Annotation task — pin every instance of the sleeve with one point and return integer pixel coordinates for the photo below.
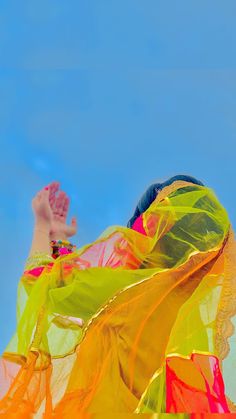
(35, 266)
(37, 260)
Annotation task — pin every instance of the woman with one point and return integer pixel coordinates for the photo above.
(136, 322)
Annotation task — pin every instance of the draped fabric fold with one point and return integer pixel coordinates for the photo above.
(132, 323)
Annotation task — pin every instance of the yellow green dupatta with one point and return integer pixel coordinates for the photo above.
(142, 300)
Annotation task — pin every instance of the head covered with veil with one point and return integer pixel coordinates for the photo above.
(153, 190)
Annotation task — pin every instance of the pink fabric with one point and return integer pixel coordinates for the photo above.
(36, 271)
(138, 225)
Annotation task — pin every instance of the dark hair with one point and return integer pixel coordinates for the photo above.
(153, 190)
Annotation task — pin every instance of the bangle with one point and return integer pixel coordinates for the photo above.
(62, 243)
(61, 247)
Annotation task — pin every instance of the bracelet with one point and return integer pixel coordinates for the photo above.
(61, 247)
(62, 243)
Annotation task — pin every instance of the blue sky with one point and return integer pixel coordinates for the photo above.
(106, 97)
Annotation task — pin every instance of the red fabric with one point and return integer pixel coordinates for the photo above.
(195, 385)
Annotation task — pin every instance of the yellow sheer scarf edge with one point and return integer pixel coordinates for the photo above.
(178, 184)
(144, 394)
(227, 304)
(36, 353)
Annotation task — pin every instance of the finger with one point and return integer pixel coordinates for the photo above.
(66, 206)
(62, 205)
(55, 184)
(59, 203)
(63, 201)
(45, 193)
(53, 189)
(72, 228)
(74, 222)
(40, 194)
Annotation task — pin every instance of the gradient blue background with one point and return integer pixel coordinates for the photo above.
(106, 97)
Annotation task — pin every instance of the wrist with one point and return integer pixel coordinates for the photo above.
(58, 236)
(42, 225)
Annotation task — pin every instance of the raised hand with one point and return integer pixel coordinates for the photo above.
(59, 203)
(42, 209)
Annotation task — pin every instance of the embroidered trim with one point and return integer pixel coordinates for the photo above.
(38, 259)
(172, 188)
(227, 303)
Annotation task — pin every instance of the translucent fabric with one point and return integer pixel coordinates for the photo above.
(131, 323)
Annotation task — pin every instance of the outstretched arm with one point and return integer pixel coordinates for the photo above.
(40, 241)
(50, 212)
(43, 219)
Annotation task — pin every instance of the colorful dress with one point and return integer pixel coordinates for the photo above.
(140, 321)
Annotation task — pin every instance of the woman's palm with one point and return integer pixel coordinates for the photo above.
(59, 203)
